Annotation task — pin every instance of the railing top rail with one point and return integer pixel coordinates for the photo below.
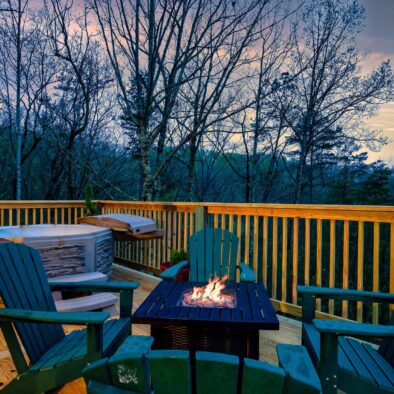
(368, 213)
(384, 208)
(7, 204)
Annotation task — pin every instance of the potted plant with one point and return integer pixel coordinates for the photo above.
(91, 208)
(176, 257)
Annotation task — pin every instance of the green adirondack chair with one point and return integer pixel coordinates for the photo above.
(212, 251)
(346, 363)
(54, 358)
(172, 372)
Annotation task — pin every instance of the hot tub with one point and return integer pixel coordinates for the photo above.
(67, 249)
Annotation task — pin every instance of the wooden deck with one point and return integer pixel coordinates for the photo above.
(290, 332)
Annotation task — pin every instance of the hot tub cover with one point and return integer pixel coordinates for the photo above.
(123, 223)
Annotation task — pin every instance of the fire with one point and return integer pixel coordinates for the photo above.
(210, 295)
(212, 291)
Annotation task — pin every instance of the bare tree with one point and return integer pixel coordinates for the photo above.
(27, 72)
(151, 45)
(79, 100)
(330, 96)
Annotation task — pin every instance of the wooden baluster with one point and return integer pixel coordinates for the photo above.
(231, 223)
(345, 271)
(318, 259)
(215, 220)
(10, 217)
(265, 250)
(255, 242)
(191, 227)
(239, 237)
(274, 256)
(185, 230)
(295, 261)
(332, 264)
(307, 251)
(247, 239)
(179, 246)
(375, 270)
(159, 242)
(223, 222)
(360, 268)
(284, 260)
(164, 239)
(391, 262)
(68, 215)
(154, 243)
(34, 216)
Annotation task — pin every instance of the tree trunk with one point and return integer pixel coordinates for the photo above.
(70, 167)
(300, 176)
(146, 170)
(191, 166)
(18, 193)
(269, 178)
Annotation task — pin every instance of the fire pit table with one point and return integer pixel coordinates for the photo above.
(232, 329)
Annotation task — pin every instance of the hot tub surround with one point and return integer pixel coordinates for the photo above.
(67, 249)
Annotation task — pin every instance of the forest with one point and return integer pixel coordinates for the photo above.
(190, 100)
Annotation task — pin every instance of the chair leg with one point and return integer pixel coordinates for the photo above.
(328, 368)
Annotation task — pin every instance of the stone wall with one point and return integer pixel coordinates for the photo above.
(63, 260)
(105, 256)
(77, 256)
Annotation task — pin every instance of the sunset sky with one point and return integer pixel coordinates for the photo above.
(378, 40)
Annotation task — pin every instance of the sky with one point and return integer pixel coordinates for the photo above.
(378, 40)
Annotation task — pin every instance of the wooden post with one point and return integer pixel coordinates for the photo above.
(201, 216)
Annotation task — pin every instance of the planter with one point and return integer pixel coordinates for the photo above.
(183, 273)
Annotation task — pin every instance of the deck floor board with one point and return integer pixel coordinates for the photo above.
(290, 332)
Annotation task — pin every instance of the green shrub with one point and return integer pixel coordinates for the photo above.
(178, 255)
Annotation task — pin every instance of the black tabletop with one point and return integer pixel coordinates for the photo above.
(253, 308)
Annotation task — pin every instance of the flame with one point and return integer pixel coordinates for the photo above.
(211, 295)
(212, 291)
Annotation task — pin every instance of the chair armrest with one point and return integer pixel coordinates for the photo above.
(124, 288)
(349, 328)
(247, 274)
(172, 272)
(93, 320)
(115, 287)
(53, 317)
(345, 294)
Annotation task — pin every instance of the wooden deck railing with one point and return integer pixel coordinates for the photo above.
(336, 246)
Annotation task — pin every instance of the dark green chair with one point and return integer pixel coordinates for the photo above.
(172, 372)
(212, 251)
(54, 358)
(343, 362)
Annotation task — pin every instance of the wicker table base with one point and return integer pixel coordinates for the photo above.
(244, 343)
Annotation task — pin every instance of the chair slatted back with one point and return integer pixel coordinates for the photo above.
(24, 285)
(212, 251)
(174, 372)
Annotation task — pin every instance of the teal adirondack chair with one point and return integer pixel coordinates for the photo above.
(212, 251)
(343, 362)
(171, 372)
(54, 358)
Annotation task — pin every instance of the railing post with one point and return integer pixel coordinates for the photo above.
(201, 217)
